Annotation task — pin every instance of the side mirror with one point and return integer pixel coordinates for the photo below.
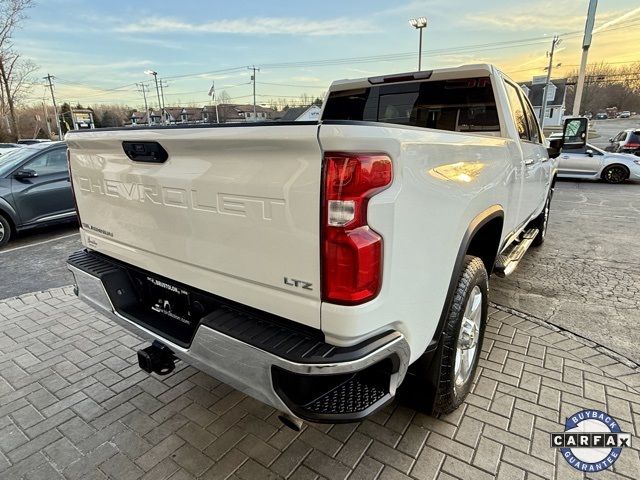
(25, 173)
(555, 147)
(589, 152)
(574, 134)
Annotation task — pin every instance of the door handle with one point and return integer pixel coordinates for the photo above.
(529, 161)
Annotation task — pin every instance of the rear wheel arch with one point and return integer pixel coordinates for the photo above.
(482, 228)
(9, 217)
(8, 227)
(485, 241)
(480, 231)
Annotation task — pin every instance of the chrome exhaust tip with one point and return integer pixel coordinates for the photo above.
(290, 421)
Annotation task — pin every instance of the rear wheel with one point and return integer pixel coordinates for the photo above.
(5, 231)
(461, 340)
(615, 174)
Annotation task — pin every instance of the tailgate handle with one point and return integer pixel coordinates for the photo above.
(150, 152)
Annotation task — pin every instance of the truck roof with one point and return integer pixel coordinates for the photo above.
(478, 69)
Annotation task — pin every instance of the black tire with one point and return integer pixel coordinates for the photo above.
(615, 174)
(541, 222)
(450, 394)
(5, 231)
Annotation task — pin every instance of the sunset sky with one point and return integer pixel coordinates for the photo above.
(99, 50)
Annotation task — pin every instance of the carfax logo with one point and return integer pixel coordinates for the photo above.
(592, 441)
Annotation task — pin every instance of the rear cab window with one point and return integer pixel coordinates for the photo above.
(461, 105)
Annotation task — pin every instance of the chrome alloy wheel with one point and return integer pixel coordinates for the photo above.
(2, 232)
(467, 345)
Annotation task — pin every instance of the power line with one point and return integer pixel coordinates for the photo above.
(293, 85)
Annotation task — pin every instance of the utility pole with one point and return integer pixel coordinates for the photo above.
(143, 89)
(556, 41)
(55, 108)
(155, 77)
(420, 24)
(586, 43)
(253, 79)
(162, 87)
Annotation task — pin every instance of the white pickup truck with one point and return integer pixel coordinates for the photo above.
(317, 265)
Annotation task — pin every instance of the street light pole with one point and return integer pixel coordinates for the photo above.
(420, 24)
(555, 42)
(586, 43)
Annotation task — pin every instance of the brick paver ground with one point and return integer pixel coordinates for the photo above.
(74, 405)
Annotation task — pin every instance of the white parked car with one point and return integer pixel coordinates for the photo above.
(315, 265)
(594, 163)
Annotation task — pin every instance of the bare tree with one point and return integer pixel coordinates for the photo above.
(224, 97)
(609, 85)
(12, 13)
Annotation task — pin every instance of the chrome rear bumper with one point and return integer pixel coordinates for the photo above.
(246, 367)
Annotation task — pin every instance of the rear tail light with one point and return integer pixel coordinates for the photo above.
(73, 191)
(351, 250)
(631, 145)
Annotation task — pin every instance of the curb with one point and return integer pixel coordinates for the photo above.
(589, 343)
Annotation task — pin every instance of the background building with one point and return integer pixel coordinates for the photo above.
(556, 96)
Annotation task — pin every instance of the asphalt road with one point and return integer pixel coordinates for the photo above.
(585, 278)
(36, 260)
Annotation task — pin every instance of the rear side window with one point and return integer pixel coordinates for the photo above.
(634, 137)
(517, 111)
(54, 161)
(532, 121)
(466, 105)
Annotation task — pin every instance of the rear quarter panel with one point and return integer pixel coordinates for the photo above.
(442, 181)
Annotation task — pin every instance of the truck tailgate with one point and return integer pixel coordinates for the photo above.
(233, 210)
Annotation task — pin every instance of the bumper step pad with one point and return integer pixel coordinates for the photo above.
(353, 396)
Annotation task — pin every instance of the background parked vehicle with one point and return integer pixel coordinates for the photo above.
(601, 116)
(8, 147)
(32, 141)
(34, 188)
(625, 114)
(594, 163)
(627, 141)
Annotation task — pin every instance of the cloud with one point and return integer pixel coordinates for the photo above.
(261, 25)
(539, 17)
(305, 78)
